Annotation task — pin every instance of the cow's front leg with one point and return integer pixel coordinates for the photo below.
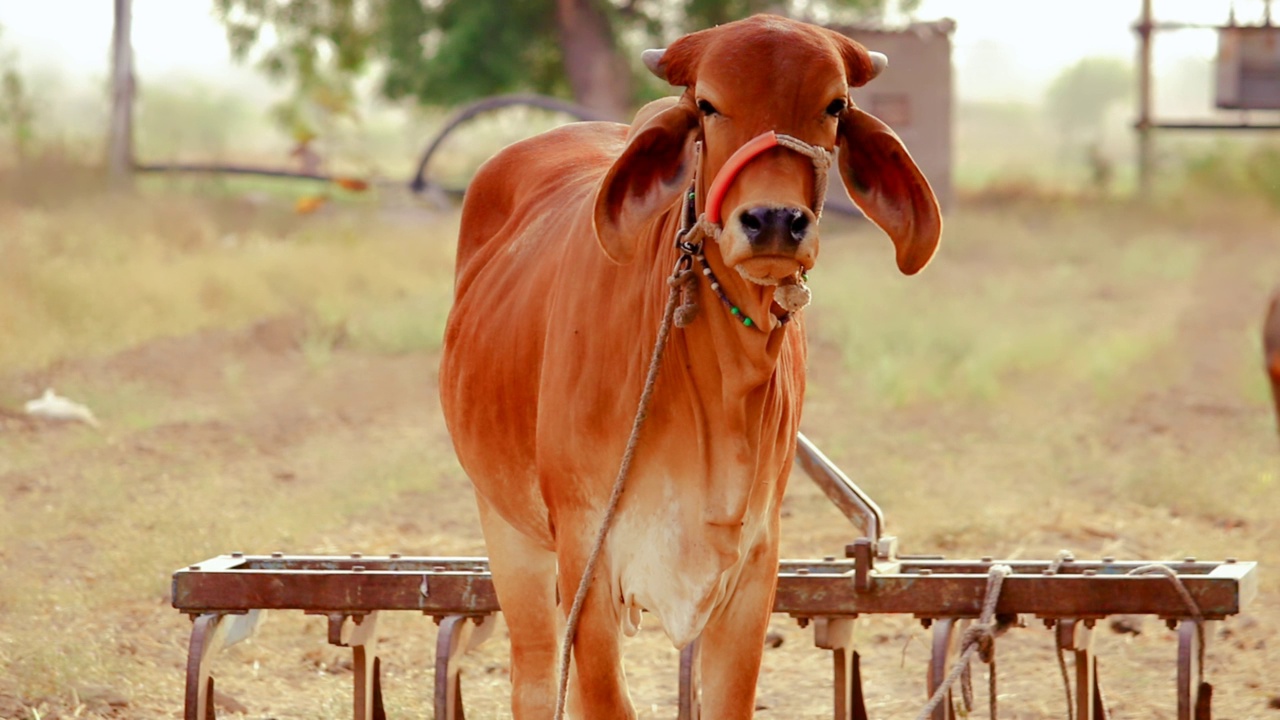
(733, 641)
(598, 686)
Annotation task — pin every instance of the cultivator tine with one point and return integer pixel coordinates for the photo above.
(944, 635)
(367, 697)
(458, 634)
(1076, 636)
(836, 634)
(1194, 694)
(690, 707)
(210, 633)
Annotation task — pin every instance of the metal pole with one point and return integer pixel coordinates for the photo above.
(1145, 150)
(120, 138)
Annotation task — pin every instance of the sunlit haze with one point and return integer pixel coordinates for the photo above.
(1030, 39)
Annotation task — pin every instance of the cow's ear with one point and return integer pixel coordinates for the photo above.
(885, 183)
(653, 170)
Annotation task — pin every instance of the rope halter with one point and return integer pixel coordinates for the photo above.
(790, 296)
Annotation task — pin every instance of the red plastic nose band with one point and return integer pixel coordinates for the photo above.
(738, 160)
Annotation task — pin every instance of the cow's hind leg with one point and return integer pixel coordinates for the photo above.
(598, 687)
(524, 575)
(732, 644)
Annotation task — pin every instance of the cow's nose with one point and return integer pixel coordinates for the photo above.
(774, 225)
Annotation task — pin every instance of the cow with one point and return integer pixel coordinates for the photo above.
(565, 250)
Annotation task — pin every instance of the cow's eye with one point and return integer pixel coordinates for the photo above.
(837, 106)
(707, 108)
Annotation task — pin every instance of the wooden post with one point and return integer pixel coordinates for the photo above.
(120, 139)
(1145, 149)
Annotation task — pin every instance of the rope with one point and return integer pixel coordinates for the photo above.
(677, 281)
(980, 638)
(1189, 601)
(821, 158)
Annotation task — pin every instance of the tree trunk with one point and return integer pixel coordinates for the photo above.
(120, 141)
(598, 75)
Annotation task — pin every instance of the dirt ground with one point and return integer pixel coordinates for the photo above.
(250, 413)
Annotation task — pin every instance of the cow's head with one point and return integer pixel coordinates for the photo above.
(743, 79)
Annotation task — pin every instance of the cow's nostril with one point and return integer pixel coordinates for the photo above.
(799, 225)
(750, 223)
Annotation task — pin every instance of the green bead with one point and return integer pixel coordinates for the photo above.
(747, 322)
(735, 311)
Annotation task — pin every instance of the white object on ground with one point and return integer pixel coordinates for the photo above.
(52, 406)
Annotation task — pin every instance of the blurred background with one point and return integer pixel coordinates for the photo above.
(210, 250)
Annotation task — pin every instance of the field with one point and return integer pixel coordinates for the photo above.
(1067, 374)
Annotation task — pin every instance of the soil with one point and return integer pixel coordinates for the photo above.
(288, 671)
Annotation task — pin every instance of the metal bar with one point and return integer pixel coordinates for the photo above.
(848, 498)
(1198, 125)
(1193, 694)
(836, 634)
(210, 633)
(454, 640)
(944, 636)
(198, 704)
(367, 694)
(1076, 636)
(818, 588)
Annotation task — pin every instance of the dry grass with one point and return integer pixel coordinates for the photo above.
(1063, 376)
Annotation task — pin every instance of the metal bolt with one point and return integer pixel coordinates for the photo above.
(437, 568)
(1049, 623)
(1068, 558)
(193, 567)
(1109, 559)
(1189, 559)
(394, 556)
(802, 571)
(237, 554)
(926, 623)
(1090, 622)
(1231, 561)
(357, 568)
(1090, 571)
(828, 558)
(803, 622)
(277, 554)
(925, 571)
(480, 569)
(1171, 623)
(356, 556)
(987, 558)
(1048, 571)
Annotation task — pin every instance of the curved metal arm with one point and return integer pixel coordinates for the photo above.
(489, 104)
(850, 499)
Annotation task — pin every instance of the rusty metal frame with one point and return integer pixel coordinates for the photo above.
(227, 596)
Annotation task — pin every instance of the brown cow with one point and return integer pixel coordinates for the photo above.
(1271, 348)
(565, 249)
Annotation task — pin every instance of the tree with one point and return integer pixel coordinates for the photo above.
(443, 52)
(1079, 99)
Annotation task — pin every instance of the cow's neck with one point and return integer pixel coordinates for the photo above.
(746, 357)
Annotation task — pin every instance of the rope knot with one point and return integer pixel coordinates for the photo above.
(687, 311)
(983, 635)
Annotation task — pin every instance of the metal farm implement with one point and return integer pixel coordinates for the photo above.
(226, 595)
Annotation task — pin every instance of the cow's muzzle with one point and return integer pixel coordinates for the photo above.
(769, 242)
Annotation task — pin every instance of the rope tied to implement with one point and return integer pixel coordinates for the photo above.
(1192, 608)
(979, 639)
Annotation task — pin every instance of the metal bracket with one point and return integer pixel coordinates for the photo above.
(210, 633)
(458, 634)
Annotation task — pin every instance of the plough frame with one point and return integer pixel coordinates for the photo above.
(227, 595)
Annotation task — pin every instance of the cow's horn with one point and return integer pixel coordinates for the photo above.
(878, 63)
(653, 60)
